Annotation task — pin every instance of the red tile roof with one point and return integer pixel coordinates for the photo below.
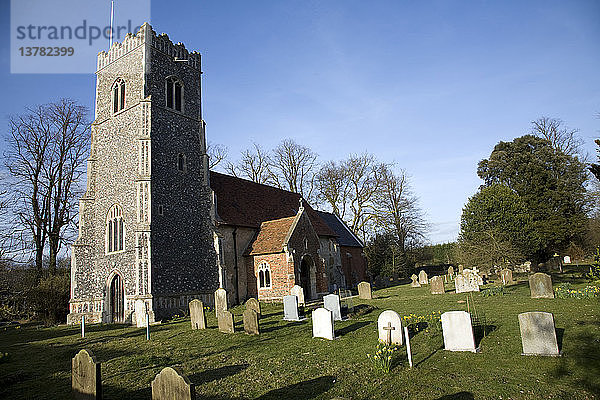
(271, 236)
(244, 203)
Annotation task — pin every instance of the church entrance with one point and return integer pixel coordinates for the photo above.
(116, 296)
(307, 277)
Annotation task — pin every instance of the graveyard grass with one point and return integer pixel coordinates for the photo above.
(285, 362)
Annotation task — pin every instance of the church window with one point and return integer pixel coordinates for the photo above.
(114, 230)
(181, 162)
(161, 210)
(264, 276)
(118, 95)
(174, 93)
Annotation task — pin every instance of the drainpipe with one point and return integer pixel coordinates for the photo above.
(235, 265)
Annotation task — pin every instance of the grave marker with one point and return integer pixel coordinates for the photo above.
(86, 381)
(197, 316)
(322, 320)
(506, 276)
(225, 321)
(332, 303)
(538, 334)
(540, 285)
(170, 384)
(298, 291)
(437, 285)
(253, 304)
(251, 324)
(423, 278)
(415, 281)
(389, 326)
(220, 301)
(364, 291)
(290, 308)
(458, 331)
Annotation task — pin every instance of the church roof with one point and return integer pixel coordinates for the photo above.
(345, 235)
(244, 203)
(271, 236)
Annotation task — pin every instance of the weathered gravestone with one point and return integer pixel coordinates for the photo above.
(225, 321)
(460, 269)
(322, 320)
(253, 304)
(466, 282)
(451, 271)
(140, 313)
(332, 303)
(423, 278)
(290, 308)
(538, 334)
(86, 381)
(299, 293)
(251, 324)
(437, 285)
(197, 316)
(540, 285)
(415, 281)
(364, 291)
(458, 331)
(389, 327)
(506, 276)
(220, 301)
(170, 384)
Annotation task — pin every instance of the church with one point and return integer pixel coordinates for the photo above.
(157, 228)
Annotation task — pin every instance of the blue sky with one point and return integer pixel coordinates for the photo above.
(431, 85)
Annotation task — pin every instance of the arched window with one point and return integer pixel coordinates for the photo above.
(264, 276)
(181, 162)
(115, 235)
(174, 93)
(118, 95)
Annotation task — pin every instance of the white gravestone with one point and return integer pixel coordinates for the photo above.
(458, 331)
(322, 320)
(299, 293)
(332, 303)
(140, 313)
(567, 260)
(466, 282)
(220, 300)
(423, 278)
(389, 327)
(290, 308)
(538, 334)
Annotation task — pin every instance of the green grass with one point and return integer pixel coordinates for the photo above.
(285, 362)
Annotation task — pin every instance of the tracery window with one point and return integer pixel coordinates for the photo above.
(118, 95)
(264, 276)
(174, 93)
(115, 235)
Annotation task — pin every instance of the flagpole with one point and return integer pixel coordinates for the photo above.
(112, 15)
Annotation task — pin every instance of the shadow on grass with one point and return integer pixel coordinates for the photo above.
(429, 356)
(303, 390)
(585, 355)
(351, 328)
(271, 328)
(482, 330)
(360, 310)
(458, 396)
(210, 375)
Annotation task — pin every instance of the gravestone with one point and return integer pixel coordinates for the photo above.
(437, 285)
(225, 321)
(423, 278)
(220, 300)
(466, 282)
(364, 291)
(460, 269)
(290, 308)
(389, 327)
(332, 303)
(251, 326)
(140, 313)
(540, 285)
(567, 260)
(197, 316)
(538, 334)
(415, 281)
(458, 331)
(86, 381)
(506, 276)
(253, 304)
(299, 293)
(451, 271)
(170, 384)
(322, 320)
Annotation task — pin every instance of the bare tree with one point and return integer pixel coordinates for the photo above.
(253, 165)
(333, 187)
(561, 137)
(216, 154)
(47, 148)
(293, 167)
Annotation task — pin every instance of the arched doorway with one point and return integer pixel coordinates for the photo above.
(116, 302)
(307, 277)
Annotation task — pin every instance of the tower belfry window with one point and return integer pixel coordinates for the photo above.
(174, 93)
(118, 95)
(181, 162)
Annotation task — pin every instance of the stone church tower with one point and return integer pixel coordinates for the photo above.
(146, 236)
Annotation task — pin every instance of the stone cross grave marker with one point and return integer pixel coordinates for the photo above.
(171, 384)
(437, 285)
(86, 381)
(506, 276)
(140, 313)
(251, 323)
(298, 291)
(225, 321)
(364, 291)
(290, 308)
(540, 285)
(389, 327)
(415, 281)
(220, 301)
(423, 278)
(332, 303)
(458, 331)
(322, 320)
(253, 304)
(197, 316)
(538, 334)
